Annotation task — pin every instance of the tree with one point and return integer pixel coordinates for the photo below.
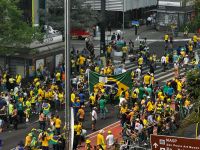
(81, 14)
(193, 86)
(15, 34)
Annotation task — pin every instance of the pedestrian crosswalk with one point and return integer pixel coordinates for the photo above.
(160, 76)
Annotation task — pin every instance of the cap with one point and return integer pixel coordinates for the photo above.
(94, 108)
(87, 141)
(148, 96)
(109, 132)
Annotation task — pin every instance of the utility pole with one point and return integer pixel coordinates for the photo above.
(67, 74)
(102, 27)
(123, 15)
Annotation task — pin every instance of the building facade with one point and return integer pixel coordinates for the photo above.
(174, 13)
(121, 5)
(133, 9)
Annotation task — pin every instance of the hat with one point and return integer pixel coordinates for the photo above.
(101, 131)
(148, 97)
(167, 105)
(109, 132)
(87, 141)
(94, 108)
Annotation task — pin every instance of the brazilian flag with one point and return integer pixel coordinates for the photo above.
(114, 83)
(53, 139)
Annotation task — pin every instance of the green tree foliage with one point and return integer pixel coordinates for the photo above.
(193, 85)
(193, 90)
(81, 14)
(15, 34)
(194, 25)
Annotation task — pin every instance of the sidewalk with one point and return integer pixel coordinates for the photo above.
(115, 128)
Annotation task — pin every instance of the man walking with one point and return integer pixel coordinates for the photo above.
(102, 105)
(94, 118)
(163, 62)
(110, 140)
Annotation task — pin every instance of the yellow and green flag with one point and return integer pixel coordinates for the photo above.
(110, 83)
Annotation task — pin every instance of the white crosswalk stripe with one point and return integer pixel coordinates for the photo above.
(159, 74)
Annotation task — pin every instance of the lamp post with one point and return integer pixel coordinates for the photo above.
(102, 40)
(67, 73)
(123, 15)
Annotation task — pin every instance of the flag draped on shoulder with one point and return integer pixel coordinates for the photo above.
(107, 83)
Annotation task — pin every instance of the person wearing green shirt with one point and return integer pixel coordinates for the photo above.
(20, 110)
(102, 105)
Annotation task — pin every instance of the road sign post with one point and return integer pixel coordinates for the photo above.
(159, 142)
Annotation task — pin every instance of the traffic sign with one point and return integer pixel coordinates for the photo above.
(160, 142)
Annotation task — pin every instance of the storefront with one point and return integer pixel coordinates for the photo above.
(173, 14)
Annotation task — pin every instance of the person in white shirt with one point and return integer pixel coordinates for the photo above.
(122, 100)
(185, 62)
(138, 72)
(110, 140)
(163, 61)
(94, 118)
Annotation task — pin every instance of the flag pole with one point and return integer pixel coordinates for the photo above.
(67, 73)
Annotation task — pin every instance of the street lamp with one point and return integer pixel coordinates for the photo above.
(123, 15)
(67, 74)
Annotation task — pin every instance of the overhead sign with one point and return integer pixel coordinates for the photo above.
(159, 142)
(168, 3)
(135, 23)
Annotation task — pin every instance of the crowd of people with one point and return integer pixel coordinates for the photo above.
(147, 108)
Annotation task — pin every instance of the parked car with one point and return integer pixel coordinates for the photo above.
(80, 34)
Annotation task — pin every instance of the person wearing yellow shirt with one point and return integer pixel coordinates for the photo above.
(150, 106)
(109, 51)
(81, 114)
(166, 38)
(147, 79)
(136, 107)
(61, 97)
(190, 47)
(97, 69)
(58, 123)
(58, 76)
(78, 130)
(81, 60)
(140, 61)
(28, 140)
(187, 106)
(145, 122)
(123, 109)
(18, 79)
(194, 38)
(131, 115)
(124, 50)
(100, 139)
(92, 101)
(127, 95)
(179, 85)
(45, 141)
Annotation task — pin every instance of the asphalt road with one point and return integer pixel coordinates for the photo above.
(11, 137)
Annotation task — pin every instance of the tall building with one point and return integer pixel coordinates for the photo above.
(133, 9)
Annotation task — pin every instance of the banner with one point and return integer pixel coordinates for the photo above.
(115, 82)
